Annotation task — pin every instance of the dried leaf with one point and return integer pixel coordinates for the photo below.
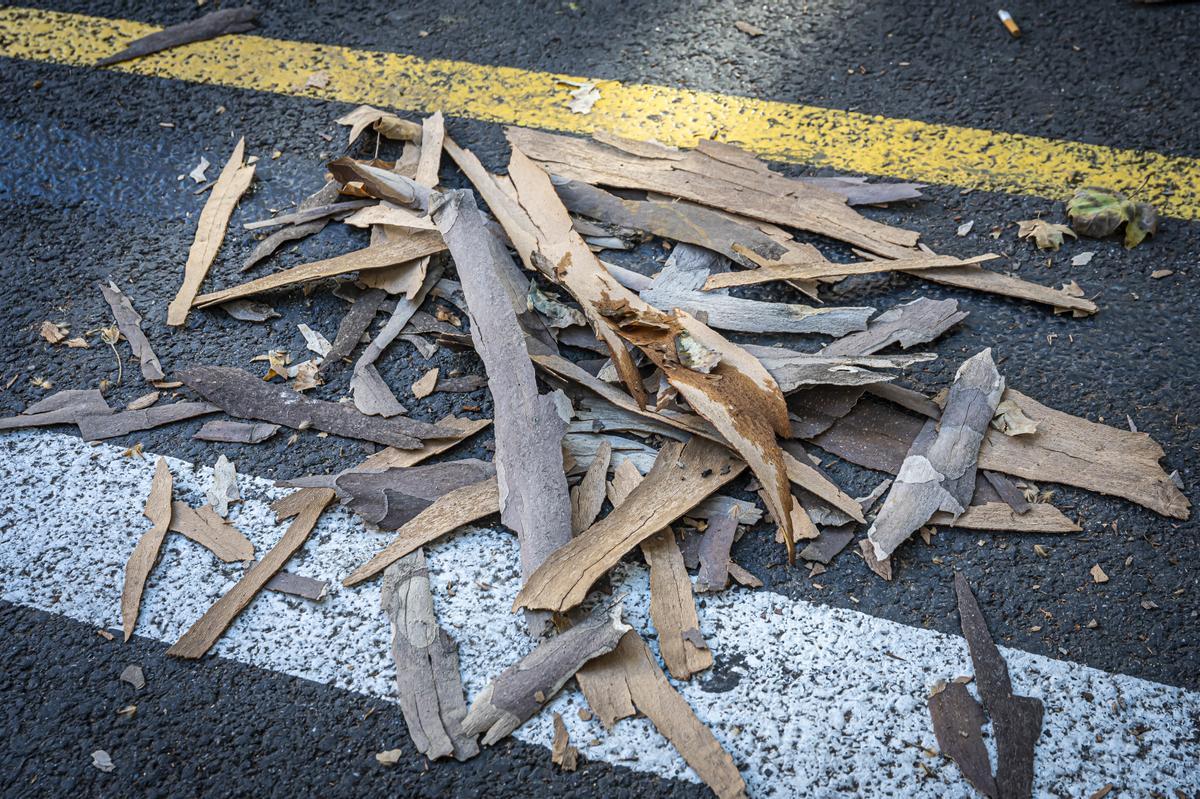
(583, 96)
(1012, 421)
(249, 310)
(130, 324)
(54, 333)
(1047, 235)
(224, 488)
(387, 124)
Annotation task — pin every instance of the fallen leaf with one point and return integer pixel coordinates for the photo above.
(583, 96)
(1098, 574)
(1083, 259)
(41, 382)
(390, 757)
(1047, 235)
(306, 376)
(965, 228)
(753, 31)
(78, 344)
(102, 761)
(1098, 212)
(53, 333)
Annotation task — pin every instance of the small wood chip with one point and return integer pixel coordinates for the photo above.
(423, 387)
(562, 753)
(1098, 575)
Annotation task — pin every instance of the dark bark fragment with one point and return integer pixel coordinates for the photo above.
(209, 26)
(958, 724)
(390, 498)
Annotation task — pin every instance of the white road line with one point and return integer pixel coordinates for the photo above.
(826, 702)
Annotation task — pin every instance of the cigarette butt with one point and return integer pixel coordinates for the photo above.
(1009, 23)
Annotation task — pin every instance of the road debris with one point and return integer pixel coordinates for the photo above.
(562, 754)
(145, 552)
(1047, 235)
(1009, 23)
(209, 26)
(1097, 213)
(133, 675)
(224, 489)
(102, 761)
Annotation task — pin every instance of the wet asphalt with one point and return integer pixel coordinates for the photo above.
(91, 191)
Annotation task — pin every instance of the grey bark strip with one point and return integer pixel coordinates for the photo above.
(939, 471)
(240, 393)
(391, 498)
(371, 394)
(916, 322)
(522, 689)
(857, 191)
(958, 724)
(236, 432)
(265, 248)
(534, 499)
(794, 370)
(61, 407)
(428, 679)
(351, 329)
(588, 497)
(298, 585)
(208, 628)
(753, 316)
(211, 25)
(1016, 720)
(249, 310)
(310, 214)
(95, 428)
(145, 552)
(129, 322)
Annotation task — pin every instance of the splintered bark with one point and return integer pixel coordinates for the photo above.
(351, 329)
(629, 678)
(524, 688)
(939, 470)
(240, 393)
(208, 628)
(129, 322)
(427, 673)
(916, 322)
(265, 248)
(682, 477)
(145, 552)
(209, 26)
(1016, 720)
(958, 724)
(793, 370)
(448, 512)
(705, 176)
(534, 499)
(210, 231)
(588, 497)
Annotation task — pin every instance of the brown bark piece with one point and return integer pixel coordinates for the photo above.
(418, 244)
(696, 175)
(916, 322)
(1040, 518)
(209, 26)
(130, 324)
(588, 497)
(808, 477)
(232, 183)
(208, 628)
(240, 393)
(351, 328)
(448, 512)
(673, 608)
(236, 432)
(562, 754)
(298, 585)
(939, 471)
(628, 678)
(714, 551)
(980, 279)
(521, 690)
(1016, 720)
(205, 526)
(95, 428)
(534, 498)
(392, 497)
(145, 552)
(801, 265)
(427, 672)
(424, 386)
(958, 724)
(881, 567)
(793, 370)
(681, 478)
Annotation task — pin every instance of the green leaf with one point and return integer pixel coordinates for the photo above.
(1099, 212)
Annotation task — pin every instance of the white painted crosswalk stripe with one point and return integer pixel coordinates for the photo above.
(826, 701)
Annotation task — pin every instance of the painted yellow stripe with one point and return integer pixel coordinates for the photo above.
(853, 142)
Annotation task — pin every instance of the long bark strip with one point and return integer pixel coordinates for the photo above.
(210, 531)
(629, 678)
(682, 477)
(427, 673)
(534, 498)
(208, 628)
(145, 552)
(1016, 720)
(211, 25)
(672, 606)
(939, 471)
(129, 322)
(421, 242)
(522, 689)
(210, 231)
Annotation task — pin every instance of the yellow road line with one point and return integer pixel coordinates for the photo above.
(853, 142)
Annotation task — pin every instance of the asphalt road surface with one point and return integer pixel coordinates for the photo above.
(297, 700)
